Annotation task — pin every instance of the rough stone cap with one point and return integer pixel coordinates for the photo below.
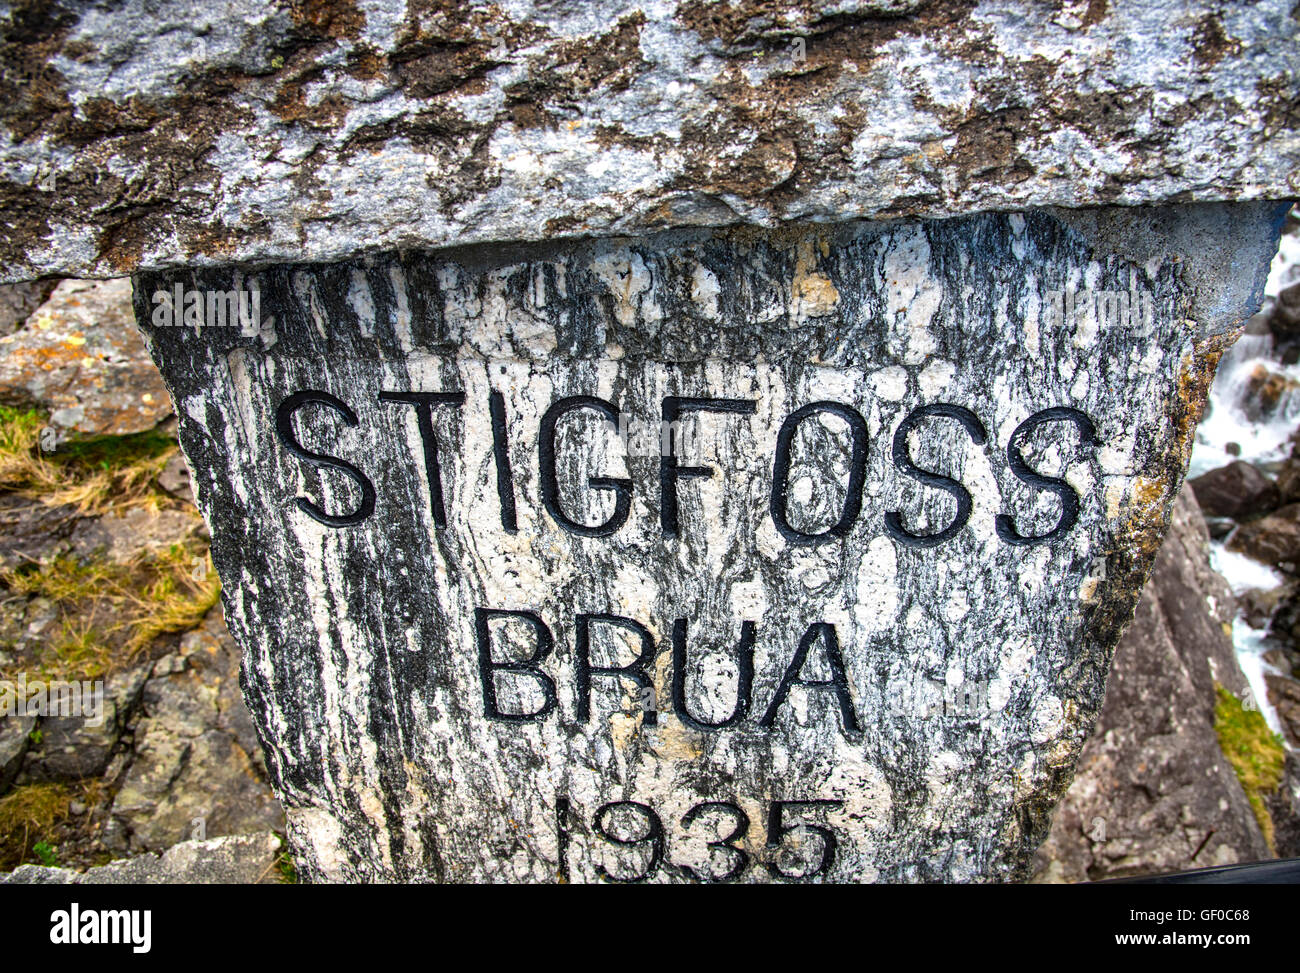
(140, 134)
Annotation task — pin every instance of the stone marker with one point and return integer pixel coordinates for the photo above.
(795, 550)
(711, 556)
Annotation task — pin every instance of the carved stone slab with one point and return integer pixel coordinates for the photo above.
(185, 132)
(706, 557)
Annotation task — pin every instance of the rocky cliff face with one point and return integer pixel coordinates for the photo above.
(1154, 791)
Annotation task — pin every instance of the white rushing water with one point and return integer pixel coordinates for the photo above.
(1259, 440)
(1262, 440)
(1227, 421)
(1243, 574)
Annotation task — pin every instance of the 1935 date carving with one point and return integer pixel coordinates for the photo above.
(639, 831)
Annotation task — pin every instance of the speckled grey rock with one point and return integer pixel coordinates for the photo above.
(18, 301)
(232, 860)
(867, 646)
(121, 536)
(81, 363)
(14, 740)
(177, 132)
(1154, 792)
(196, 764)
(73, 747)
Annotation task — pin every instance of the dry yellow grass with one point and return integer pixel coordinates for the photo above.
(110, 612)
(93, 476)
(107, 612)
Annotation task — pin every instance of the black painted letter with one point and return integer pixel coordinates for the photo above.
(669, 471)
(744, 680)
(424, 403)
(528, 667)
(838, 682)
(893, 519)
(621, 486)
(635, 670)
(1006, 526)
(501, 453)
(284, 430)
(781, 473)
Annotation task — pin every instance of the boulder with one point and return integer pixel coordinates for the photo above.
(1284, 317)
(1264, 608)
(1284, 695)
(1284, 807)
(196, 768)
(18, 301)
(1267, 393)
(121, 535)
(1285, 657)
(179, 132)
(246, 859)
(74, 746)
(1153, 791)
(1273, 540)
(1238, 490)
(1288, 480)
(175, 478)
(490, 620)
(15, 734)
(80, 359)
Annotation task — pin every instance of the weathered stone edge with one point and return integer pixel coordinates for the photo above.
(196, 134)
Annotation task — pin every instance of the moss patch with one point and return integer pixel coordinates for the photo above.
(1255, 752)
(287, 869)
(28, 816)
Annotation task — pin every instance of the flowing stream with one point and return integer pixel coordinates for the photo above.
(1235, 427)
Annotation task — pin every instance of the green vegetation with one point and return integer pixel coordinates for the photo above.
(28, 816)
(287, 869)
(46, 852)
(1255, 752)
(93, 475)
